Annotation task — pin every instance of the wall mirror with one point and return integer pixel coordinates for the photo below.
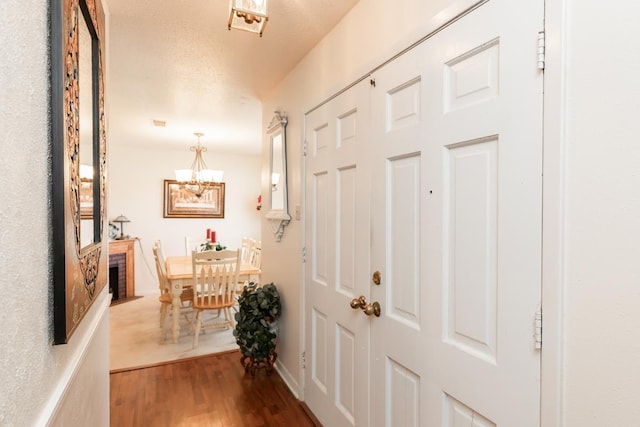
(78, 162)
(87, 147)
(278, 214)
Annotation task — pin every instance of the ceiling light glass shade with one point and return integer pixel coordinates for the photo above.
(199, 178)
(211, 175)
(183, 175)
(248, 15)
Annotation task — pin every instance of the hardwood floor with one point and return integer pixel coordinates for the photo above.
(206, 391)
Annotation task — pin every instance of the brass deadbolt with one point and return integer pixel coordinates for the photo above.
(376, 277)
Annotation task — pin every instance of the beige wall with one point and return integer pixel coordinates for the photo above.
(39, 380)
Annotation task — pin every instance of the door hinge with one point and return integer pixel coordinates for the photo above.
(541, 50)
(537, 334)
(304, 148)
(303, 359)
(304, 254)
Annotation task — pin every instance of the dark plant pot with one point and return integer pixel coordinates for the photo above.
(252, 364)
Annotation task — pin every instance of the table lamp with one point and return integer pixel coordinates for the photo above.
(121, 219)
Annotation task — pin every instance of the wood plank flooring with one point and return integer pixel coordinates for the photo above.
(205, 391)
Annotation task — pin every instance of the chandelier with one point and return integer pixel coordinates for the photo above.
(248, 15)
(199, 178)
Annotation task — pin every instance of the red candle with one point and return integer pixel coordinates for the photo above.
(213, 237)
(208, 233)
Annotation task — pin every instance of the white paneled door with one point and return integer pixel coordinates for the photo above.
(447, 155)
(337, 229)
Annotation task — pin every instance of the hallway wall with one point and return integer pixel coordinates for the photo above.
(40, 381)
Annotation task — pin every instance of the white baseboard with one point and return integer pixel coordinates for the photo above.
(84, 339)
(288, 379)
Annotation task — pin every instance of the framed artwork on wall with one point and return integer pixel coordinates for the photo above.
(182, 203)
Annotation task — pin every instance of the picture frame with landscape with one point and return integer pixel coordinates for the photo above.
(179, 202)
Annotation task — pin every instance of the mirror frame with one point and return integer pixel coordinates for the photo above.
(78, 273)
(278, 218)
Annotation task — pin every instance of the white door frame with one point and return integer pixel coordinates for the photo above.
(553, 229)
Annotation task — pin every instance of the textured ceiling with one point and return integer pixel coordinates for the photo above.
(175, 60)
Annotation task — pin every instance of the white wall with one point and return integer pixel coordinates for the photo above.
(136, 189)
(353, 48)
(601, 142)
(38, 379)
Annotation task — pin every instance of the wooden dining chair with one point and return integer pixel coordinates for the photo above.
(256, 260)
(166, 298)
(256, 254)
(250, 254)
(246, 249)
(215, 278)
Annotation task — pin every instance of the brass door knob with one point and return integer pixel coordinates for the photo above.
(373, 308)
(358, 302)
(368, 309)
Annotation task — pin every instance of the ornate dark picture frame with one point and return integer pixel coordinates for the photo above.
(79, 241)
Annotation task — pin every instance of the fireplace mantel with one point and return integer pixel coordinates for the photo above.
(126, 247)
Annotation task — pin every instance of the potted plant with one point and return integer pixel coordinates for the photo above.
(256, 328)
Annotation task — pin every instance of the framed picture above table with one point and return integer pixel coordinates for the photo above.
(179, 202)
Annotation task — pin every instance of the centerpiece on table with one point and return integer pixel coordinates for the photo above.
(212, 246)
(256, 329)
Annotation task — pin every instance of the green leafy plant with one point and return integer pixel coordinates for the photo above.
(256, 330)
(208, 246)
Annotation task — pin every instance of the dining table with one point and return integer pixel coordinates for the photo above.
(180, 271)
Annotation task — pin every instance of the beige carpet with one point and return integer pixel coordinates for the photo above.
(135, 337)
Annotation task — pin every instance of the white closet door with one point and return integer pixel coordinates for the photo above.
(456, 219)
(432, 178)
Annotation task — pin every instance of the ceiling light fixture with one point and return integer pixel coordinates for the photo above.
(199, 178)
(248, 15)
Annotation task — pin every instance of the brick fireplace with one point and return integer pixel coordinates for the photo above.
(121, 269)
(118, 276)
